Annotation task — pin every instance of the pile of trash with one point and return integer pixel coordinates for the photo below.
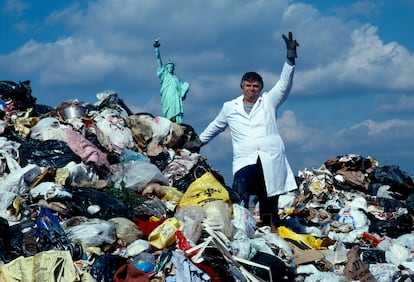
(95, 192)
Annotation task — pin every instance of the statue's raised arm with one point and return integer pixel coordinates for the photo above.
(173, 91)
(157, 46)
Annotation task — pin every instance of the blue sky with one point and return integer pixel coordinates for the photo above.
(353, 89)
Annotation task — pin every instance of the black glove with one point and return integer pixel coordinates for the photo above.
(291, 47)
(157, 43)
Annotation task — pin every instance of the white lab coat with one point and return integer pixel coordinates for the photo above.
(257, 135)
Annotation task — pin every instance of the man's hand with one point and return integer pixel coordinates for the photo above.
(157, 43)
(290, 46)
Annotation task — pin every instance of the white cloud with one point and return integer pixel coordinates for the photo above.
(289, 128)
(365, 8)
(384, 128)
(395, 103)
(64, 62)
(367, 64)
(14, 7)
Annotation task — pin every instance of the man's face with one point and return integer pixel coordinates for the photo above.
(251, 91)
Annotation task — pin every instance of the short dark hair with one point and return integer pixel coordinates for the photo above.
(251, 76)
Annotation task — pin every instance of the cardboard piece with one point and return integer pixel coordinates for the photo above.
(355, 269)
(305, 256)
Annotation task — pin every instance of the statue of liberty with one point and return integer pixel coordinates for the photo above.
(173, 91)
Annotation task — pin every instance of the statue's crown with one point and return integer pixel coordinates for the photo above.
(170, 62)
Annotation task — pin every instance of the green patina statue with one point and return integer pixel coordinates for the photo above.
(173, 91)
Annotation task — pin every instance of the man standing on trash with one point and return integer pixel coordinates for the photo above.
(173, 91)
(260, 165)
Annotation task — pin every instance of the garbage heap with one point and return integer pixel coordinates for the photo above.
(95, 192)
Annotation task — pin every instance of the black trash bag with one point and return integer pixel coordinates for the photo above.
(399, 181)
(189, 140)
(393, 227)
(104, 267)
(24, 242)
(279, 269)
(389, 205)
(6, 235)
(42, 110)
(410, 203)
(373, 188)
(195, 172)
(19, 93)
(371, 256)
(17, 240)
(161, 160)
(109, 205)
(113, 100)
(213, 260)
(49, 153)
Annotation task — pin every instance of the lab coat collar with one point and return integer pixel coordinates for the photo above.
(239, 107)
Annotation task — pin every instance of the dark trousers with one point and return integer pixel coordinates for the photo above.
(249, 180)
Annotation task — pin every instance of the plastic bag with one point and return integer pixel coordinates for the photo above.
(9, 151)
(397, 254)
(218, 216)
(109, 98)
(48, 128)
(130, 155)
(92, 232)
(126, 229)
(135, 175)
(310, 241)
(241, 245)
(19, 93)
(18, 181)
(105, 266)
(49, 153)
(137, 247)
(192, 218)
(111, 123)
(172, 195)
(203, 190)
(145, 262)
(243, 219)
(161, 126)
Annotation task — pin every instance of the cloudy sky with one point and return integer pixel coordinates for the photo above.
(353, 89)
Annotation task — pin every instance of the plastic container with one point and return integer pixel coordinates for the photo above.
(144, 262)
(163, 235)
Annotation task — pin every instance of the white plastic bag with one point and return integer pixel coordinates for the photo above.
(113, 126)
(218, 216)
(48, 128)
(397, 254)
(92, 232)
(135, 175)
(241, 246)
(243, 219)
(161, 126)
(18, 181)
(192, 218)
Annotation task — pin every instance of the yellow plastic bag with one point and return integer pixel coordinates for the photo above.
(309, 240)
(172, 194)
(203, 190)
